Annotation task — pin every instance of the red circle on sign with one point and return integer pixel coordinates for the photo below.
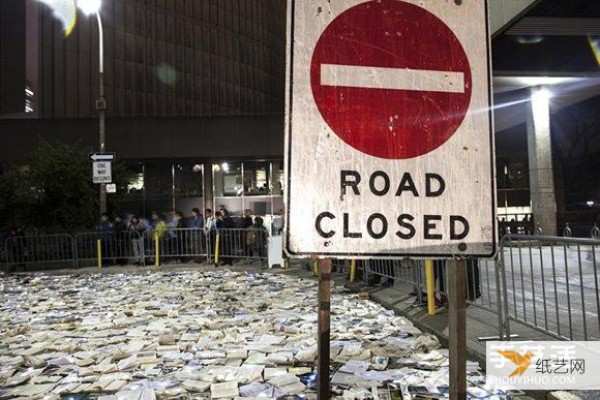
(373, 117)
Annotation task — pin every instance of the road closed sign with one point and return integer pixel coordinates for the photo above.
(389, 137)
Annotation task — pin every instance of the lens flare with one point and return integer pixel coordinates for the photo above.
(530, 39)
(65, 11)
(166, 74)
(594, 42)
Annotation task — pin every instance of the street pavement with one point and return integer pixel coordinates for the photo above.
(556, 289)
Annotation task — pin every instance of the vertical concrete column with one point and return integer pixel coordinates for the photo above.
(207, 182)
(541, 176)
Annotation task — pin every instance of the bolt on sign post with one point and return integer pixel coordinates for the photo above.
(389, 136)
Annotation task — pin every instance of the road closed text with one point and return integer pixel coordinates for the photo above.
(404, 224)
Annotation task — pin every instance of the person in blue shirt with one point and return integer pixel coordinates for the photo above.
(153, 220)
(196, 237)
(196, 220)
(105, 232)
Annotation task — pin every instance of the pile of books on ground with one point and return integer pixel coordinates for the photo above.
(206, 335)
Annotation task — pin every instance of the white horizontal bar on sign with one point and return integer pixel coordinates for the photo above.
(392, 78)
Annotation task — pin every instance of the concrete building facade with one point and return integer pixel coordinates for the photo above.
(187, 83)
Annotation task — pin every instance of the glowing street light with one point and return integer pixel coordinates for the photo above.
(542, 95)
(540, 106)
(91, 7)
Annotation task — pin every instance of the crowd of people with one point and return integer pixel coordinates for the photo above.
(184, 238)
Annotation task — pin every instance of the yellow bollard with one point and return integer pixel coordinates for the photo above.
(316, 267)
(352, 271)
(217, 255)
(99, 250)
(430, 285)
(156, 251)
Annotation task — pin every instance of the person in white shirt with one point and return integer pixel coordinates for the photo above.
(211, 221)
(210, 231)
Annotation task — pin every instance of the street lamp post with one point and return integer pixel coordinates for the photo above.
(90, 7)
(101, 105)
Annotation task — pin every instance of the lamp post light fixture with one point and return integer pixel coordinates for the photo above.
(91, 7)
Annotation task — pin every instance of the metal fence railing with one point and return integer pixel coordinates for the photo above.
(177, 245)
(52, 251)
(549, 284)
(240, 244)
(126, 248)
(118, 248)
(405, 270)
(481, 280)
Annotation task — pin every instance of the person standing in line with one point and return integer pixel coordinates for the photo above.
(14, 246)
(149, 242)
(210, 231)
(260, 238)
(136, 233)
(225, 225)
(210, 220)
(196, 237)
(243, 240)
(195, 221)
(160, 233)
(119, 233)
(173, 242)
(105, 233)
(153, 220)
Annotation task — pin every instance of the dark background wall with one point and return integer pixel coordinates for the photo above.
(167, 58)
(169, 138)
(12, 60)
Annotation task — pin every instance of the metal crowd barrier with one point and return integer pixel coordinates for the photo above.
(222, 246)
(403, 270)
(481, 283)
(176, 245)
(551, 284)
(124, 248)
(229, 245)
(102, 249)
(481, 279)
(22, 252)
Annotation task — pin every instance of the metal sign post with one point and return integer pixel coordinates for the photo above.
(457, 336)
(324, 327)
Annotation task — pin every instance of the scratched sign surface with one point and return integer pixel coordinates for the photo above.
(389, 137)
